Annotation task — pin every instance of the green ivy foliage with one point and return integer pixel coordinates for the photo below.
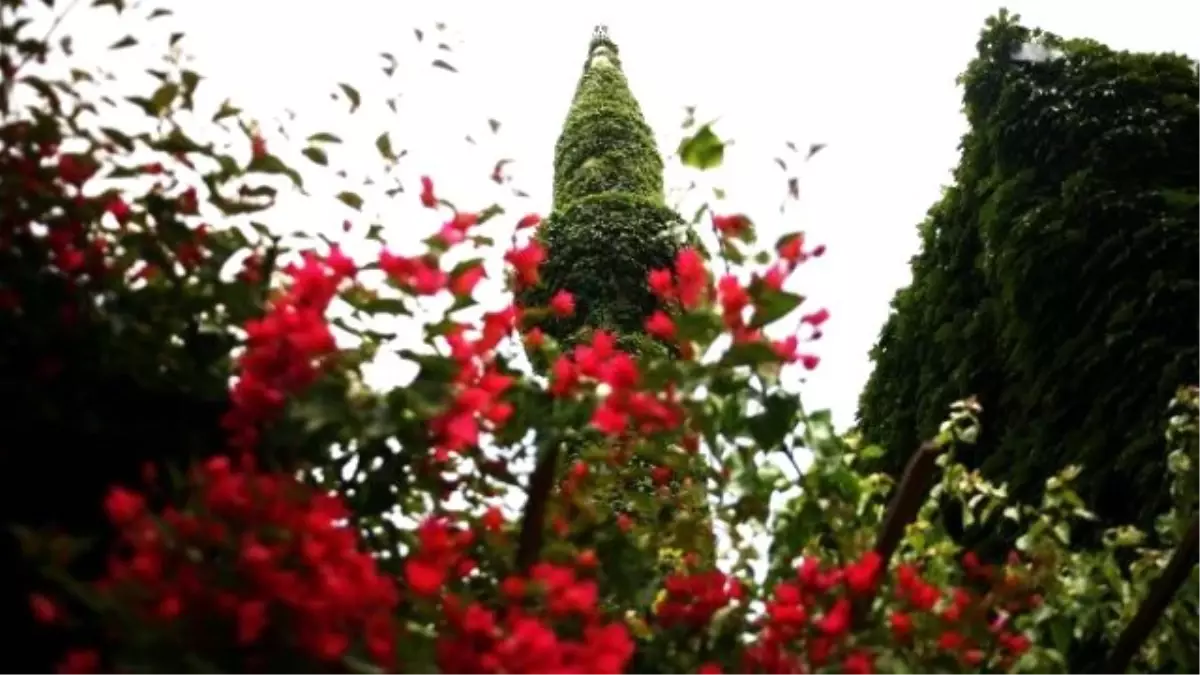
(601, 249)
(610, 227)
(605, 145)
(1057, 277)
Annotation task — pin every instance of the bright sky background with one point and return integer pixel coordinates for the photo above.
(874, 80)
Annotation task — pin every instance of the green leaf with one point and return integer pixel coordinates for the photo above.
(384, 145)
(390, 68)
(260, 191)
(871, 452)
(190, 80)
(143, 103)
(317, 155)
(702, 151)
(775, 422)
(227, 110)
(44, 89)
(353, 95)
(389, 306)
(163, 97)
(773, 305)
(273, 165)
(351, 199)
(324, 137)
(363, 667)
(819, 426)
(465, 265)
(118, 137)
(127, 41)
(749, 354)
(701, 327)
(1060, 633)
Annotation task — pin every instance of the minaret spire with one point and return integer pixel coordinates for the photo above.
(605, 145)
(602, 48)
(610, 225)
(609, 229)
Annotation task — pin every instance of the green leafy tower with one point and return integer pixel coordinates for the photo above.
(1057, 277)
(610, 226)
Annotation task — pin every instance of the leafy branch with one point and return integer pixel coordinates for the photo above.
(1155, 604)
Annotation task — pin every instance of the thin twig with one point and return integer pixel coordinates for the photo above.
(1161, 593)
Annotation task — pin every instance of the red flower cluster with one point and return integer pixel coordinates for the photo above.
(440, 553)
(807, 619)
(478, 385)
(689, 286)
(968, 626)
(256, 565)
(624, 404)
(423, 274)
(287, 348)
(478, 388)
(525, 261)
(523, 637)
(693, 598)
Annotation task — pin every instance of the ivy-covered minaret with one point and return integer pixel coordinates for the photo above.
(610, 225)
(609, 228)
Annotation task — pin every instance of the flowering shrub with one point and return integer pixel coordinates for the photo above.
(254, 573)
(321, 525)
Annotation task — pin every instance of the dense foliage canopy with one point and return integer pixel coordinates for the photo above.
(1057, 279)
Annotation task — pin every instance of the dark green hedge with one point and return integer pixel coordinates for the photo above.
(1057, 278)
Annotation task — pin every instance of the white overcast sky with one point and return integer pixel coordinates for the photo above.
(874, 80)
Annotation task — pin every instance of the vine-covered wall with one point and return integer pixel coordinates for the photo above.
(1057, 277)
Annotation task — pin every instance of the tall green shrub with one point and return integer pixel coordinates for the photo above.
(1057, 277)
